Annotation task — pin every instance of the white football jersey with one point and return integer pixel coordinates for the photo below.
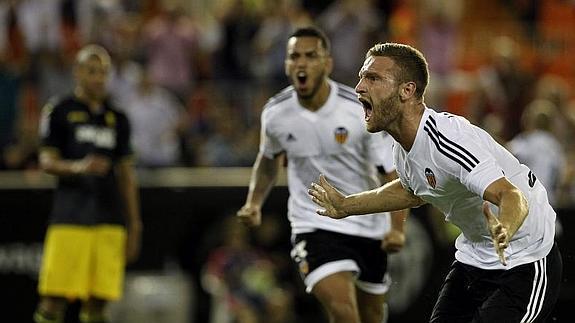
(332, 141)
(450, 165)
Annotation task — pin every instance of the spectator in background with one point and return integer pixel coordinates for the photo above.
(223, 147)
(243, 282)
(9, 108)
(158, 121)
(539, 149)
(170, 47)
(95, 226)
(349, 22)
(269, 41)
(438, 34)
(504, 86)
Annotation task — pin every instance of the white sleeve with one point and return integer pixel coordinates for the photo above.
(466, 156)
(485, 173)
(380, 150)
(269, 145)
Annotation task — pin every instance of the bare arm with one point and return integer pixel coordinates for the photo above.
(513, 209)
(390, 197)
(128, 188)
(264, 176)
(513, 206)
(52, 163)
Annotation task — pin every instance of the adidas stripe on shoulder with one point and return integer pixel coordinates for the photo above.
(345, 92)
(448, 147)
(282, 96)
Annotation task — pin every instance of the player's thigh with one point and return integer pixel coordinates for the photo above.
(110, 260)
(320, 254)
(454, 303)
(66, 261)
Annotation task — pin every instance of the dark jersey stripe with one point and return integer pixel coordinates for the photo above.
(439, 138)
(346, 89)
(448, 155)
(282, 96)
(277, 100)
(470, 155)
(350, 99)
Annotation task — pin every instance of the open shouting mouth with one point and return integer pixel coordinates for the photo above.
(367, 108)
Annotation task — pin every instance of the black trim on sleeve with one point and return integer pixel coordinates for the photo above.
(453, 151)
(345, 97)
(470, 155)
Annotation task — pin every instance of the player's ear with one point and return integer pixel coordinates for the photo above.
(407, 90)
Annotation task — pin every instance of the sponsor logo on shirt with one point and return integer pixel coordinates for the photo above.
(430, 177)
(100, 137)
(341, 135)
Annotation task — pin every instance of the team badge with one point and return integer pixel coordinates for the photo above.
(430, 177)
(341, 134)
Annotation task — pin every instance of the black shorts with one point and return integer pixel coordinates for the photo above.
(322, 253)
(526, 293)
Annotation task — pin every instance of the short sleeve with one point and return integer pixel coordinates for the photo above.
(380, 151)
(482, 176)
(466, 155)
(52, 127)
(269, 145)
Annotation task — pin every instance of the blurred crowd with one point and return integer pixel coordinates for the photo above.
(193, 75)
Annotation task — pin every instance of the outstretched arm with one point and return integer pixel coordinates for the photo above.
(390, 197)
(264, 176)
(513, 209)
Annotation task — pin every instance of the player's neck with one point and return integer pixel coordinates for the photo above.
(94, 104)
(405, 130)
(318, 100)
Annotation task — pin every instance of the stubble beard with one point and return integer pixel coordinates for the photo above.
(317, 85)
(388, 112)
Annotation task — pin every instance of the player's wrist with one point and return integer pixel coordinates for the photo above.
(77, 168)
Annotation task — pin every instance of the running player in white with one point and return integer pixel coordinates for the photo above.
(507, 267)
(318, 125)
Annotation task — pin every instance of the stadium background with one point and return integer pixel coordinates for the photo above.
(197, 73)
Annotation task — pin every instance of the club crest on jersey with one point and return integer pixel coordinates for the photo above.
(340, 135)
(430, 177)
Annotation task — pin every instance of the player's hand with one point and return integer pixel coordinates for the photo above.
(328, 197)
(393, 241)
(498, 233)
(93, 165)
(250, 215)
(133, 242)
